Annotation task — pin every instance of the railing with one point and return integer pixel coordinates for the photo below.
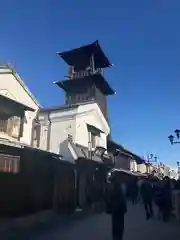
(85, 73)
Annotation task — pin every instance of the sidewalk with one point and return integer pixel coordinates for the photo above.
(16, 228)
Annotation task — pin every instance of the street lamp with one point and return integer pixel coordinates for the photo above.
(178, 167)
(177, 140)
(172, 138)
(152, 158)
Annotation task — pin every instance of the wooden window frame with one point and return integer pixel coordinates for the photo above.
(9, 164)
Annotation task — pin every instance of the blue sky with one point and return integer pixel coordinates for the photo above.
(142, 39)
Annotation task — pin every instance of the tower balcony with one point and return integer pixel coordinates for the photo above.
(84, 73)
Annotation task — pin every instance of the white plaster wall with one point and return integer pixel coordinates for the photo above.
(70, 122)
(60, 124)
(133, 165)
(10, 87)
(59, 132)
(82, 132)
(142, 168)
(43, 118)
(94, 108)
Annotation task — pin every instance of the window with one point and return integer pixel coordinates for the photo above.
(3, 125)
(9, 163)
(70, 137)
(93, 140)
(36, 134)
(10, 126)
(15, 125)
(94, 134)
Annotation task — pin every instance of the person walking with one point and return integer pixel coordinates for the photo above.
(139, 184)
(134, 191)
(158, 198)
(167, 200)
(147, 197)
(116, 207)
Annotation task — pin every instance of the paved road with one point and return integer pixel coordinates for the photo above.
(99, 227)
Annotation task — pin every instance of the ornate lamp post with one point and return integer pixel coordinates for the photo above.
(151, 158)
(175, 139)
(178, 167)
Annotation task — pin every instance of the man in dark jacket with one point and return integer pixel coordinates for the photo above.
(116, 206)
(167, 199)
(147, 197)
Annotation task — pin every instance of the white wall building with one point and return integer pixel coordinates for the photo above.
(133, 165)
(173, 174)
(13, 87)
(84, 123)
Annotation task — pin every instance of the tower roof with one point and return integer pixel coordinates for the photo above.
(80, 57)
(97, 79)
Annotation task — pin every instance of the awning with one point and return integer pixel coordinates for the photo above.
(94, 129)
(80, 57)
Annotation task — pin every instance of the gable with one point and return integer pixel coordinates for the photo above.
(12, 86)
(94, 111)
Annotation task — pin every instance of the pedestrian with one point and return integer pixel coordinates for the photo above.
(158, 198)
(134, 191)
(167, 200)
(147, 197)
(139, 184)
(116, 207)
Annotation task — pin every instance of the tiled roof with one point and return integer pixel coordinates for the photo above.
(114, 145)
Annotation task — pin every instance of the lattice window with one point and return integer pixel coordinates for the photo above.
(10, 126)
(9, 163)
(36, 134)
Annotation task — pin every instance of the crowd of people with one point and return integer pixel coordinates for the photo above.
(150, 191)
(154, 192)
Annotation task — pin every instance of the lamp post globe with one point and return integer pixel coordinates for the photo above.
(177, 132)
(171, 139)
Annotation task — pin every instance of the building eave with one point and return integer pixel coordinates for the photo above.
(9, 70)
(15, 104)
(112, 145)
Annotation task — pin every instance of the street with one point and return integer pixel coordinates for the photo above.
(99, 227)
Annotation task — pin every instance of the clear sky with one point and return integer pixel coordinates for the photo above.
(142, 39)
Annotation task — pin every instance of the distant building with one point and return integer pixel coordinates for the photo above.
(123, 159)
(142, 168)
(167, 171)
(173, 173)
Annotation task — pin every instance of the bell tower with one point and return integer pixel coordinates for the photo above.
(85, 81)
